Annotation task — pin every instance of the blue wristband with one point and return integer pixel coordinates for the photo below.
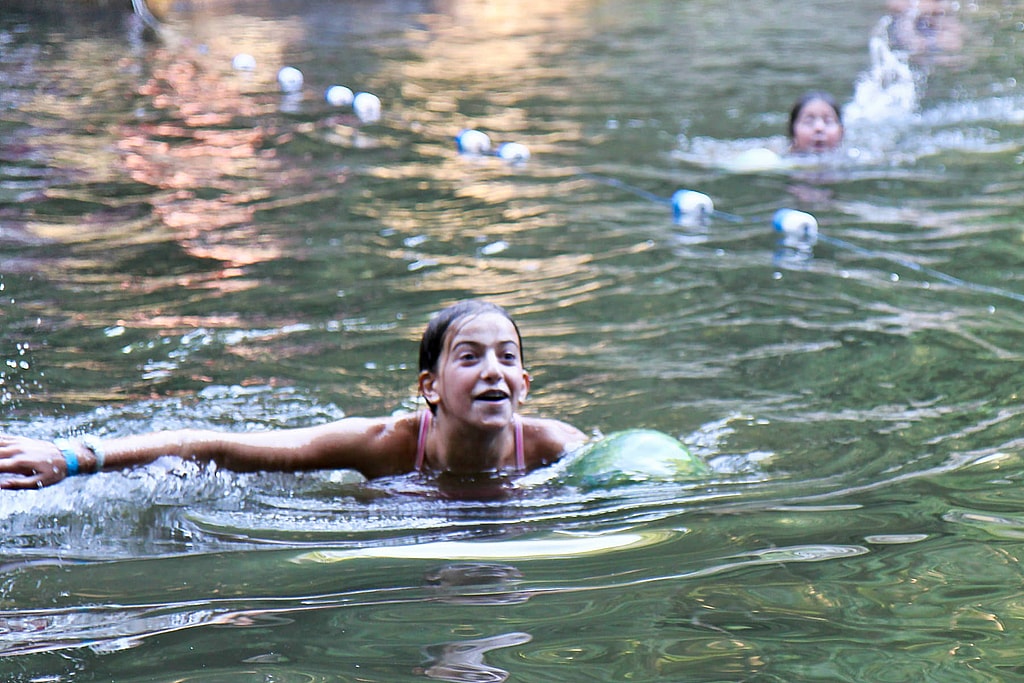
(70, 457)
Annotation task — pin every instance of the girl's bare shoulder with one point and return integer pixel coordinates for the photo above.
(547, 439)
(376, 446)
(370, 430)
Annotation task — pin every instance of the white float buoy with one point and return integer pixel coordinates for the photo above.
(796, 224)
(366, 106)
(338, 96)
(513, 152)
(290, 79)
(493, 248)
(243, 62)
(691, 204)
(753, 161)
(472, 141)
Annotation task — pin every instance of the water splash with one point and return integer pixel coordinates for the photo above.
(16, 368)
(889, 89)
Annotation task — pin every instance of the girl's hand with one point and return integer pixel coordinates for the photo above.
(32, 462)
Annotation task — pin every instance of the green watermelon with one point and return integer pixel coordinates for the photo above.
(633, 456)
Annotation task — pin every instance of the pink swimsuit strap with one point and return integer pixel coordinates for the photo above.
(421, 441)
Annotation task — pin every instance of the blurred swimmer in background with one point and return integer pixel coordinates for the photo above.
(925, 29)
(815, 124)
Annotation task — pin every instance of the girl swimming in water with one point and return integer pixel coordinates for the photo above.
(815, 124)
(471, 376)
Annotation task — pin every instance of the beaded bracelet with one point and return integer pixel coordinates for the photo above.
(93, 444)
(70, 457)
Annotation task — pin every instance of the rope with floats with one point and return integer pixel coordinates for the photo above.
(797, 229)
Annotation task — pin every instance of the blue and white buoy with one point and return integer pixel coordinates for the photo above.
(689, 204)
(290, 79)
(366, 106)
(243, 62)
(796, 225)
(338, 96)
(514, 152)
(472, 141)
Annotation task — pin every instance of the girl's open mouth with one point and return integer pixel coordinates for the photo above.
(494, 395)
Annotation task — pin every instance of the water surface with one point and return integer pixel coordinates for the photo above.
(184, 245)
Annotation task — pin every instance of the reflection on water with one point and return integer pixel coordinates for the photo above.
(464, 660)
(182, 244)
(477, 583)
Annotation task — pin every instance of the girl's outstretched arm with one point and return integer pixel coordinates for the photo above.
(373, 446)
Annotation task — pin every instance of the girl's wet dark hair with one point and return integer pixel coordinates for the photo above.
(432, 342)
(805, 99)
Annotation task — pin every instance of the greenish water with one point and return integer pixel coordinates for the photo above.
(181, 244)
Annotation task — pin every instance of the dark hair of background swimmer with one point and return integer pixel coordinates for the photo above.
(811, 96)
(432, 342)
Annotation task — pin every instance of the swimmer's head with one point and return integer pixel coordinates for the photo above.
(448, 322)
(815, 123)
(432, 342)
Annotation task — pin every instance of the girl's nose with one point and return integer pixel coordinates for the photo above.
(490, 367)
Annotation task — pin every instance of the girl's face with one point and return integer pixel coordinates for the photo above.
(479, 377)
(817, 128)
